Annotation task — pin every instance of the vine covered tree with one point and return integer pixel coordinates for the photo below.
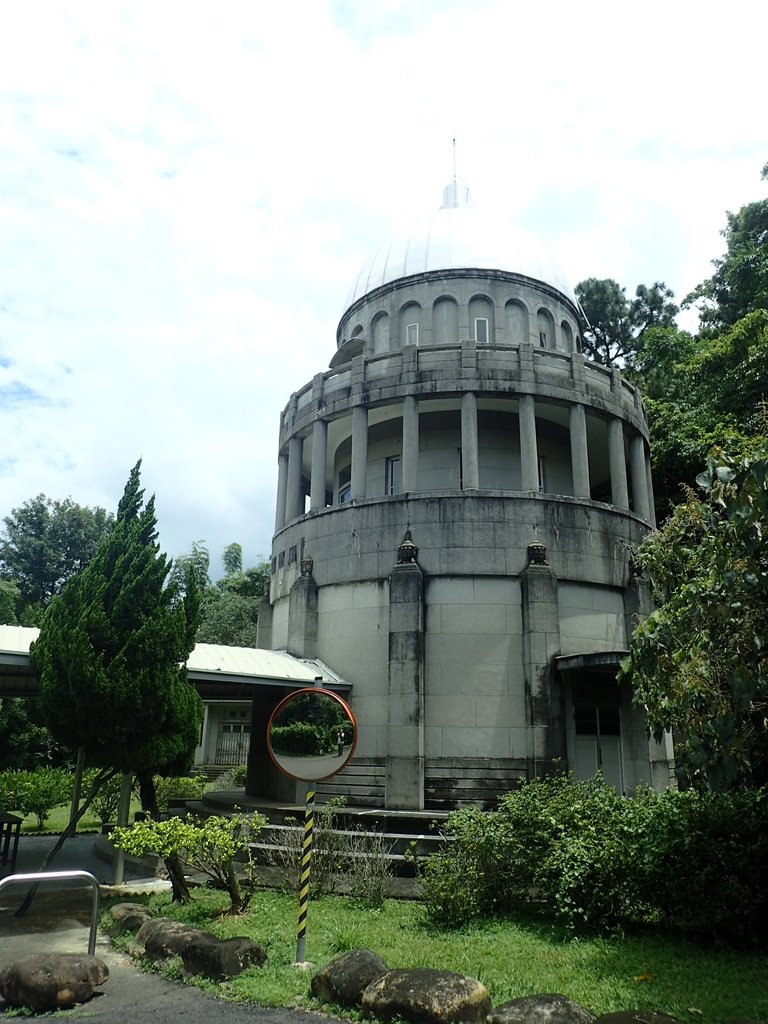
(699, 662)
(111, 657)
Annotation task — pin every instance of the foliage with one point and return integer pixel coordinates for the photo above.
(178, 787)
(617, 326)
(700, 392)
(47, 542)
(593, 860)
(302, 739)
(35, 792)
(739, 284)
(233, 778)
(698, 663)
(106, 803)
(110, 650)
(24, 740)
(229, 608)
(209, 846)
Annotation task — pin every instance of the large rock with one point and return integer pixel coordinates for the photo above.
(636, 1017)
(427, 996)
(51, 981)
(344, 979)
(160, 938)
(221, 958)
(543, 1009)
(129, 917)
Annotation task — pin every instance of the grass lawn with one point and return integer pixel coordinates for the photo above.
(512, 960)
(59, 818)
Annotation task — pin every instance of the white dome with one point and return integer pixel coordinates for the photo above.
(459, 237)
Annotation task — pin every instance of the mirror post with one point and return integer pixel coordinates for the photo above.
(306, 860)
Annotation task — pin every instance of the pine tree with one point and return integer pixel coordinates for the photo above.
(112, 651)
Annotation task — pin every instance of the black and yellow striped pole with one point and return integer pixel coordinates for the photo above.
(306, 861)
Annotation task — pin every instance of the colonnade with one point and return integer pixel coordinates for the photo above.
(291, 496)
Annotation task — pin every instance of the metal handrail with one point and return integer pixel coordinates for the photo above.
(61, 876)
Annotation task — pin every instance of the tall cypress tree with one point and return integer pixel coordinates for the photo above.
(111, 656)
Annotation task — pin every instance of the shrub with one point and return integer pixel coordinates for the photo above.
(106, 803)
(704, 856)
(209, 846)
(232, 778)
(181, 787)
(578, 851)
(302, 739)
(36, 792)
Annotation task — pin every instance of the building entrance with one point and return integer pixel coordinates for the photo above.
(597, 726)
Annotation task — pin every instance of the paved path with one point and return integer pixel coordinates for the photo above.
(59, 920)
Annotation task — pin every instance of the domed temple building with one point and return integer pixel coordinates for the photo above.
(459, 496)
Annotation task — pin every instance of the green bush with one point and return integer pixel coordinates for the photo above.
(106, 803)
(303, 739)
(181, 787)
(209, 846)
(577, 851)
(704, 858)
(36, 792)
(232, 778)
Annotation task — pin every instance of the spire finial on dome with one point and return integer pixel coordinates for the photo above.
(455, 195)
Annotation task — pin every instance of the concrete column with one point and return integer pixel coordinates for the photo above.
(317, 486)
(302, 618)
(579, 451)
(617, 463)
(282, 490)
(293, 502)
(405, 699)
(359, 482)
(469, 445)
(410, 465)
(264, 625)
(529, 453)
(259, 767)
(637, 463)
(541, 644)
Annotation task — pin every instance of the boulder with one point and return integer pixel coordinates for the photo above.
(543, 1009)
(51, 981)
(129, 917)
(427, 996)
(160, 938)
(636, 1017)
(344, 979)
(221, 958)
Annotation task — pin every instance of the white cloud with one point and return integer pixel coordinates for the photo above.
(187, 192)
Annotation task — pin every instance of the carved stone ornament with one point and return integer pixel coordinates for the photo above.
(537, 553)
(407, 552)
(306, 565)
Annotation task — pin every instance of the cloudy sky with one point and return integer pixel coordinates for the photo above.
(188, 189)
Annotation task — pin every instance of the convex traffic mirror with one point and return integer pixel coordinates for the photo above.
(311, 735)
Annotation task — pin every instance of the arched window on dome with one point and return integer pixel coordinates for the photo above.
(481, 325)
(516, 323)
(567, 336)
(380, 331)
(545, 325)
(410, 324)
(445, 321)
